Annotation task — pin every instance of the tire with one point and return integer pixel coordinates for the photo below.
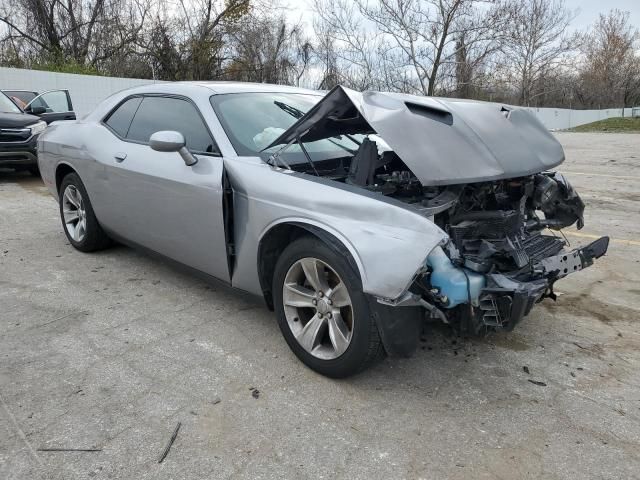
(326, 354)
(91, 237)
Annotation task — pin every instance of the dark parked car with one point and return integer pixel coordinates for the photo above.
(49, 106)
(23, 115)
(18, 136)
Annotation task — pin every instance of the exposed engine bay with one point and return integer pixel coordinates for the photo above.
(482, 173)
(503, 255)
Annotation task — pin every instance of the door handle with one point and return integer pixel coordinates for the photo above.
(120, 156)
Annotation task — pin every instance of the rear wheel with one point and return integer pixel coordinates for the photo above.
(324, 316)
(78, 219)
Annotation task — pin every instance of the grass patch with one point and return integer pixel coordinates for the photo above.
(617, 124)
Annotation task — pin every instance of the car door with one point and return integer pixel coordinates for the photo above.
(51, 106)
(153, 199)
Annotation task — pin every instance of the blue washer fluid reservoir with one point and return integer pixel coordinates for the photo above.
(451, 280)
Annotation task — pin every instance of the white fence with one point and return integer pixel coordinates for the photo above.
(88, 90)
(562, 118)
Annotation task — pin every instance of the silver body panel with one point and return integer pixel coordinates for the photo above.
(443, 141)
(388, 241)
(154, 200)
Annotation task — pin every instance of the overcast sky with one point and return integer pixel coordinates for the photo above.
(588, 10)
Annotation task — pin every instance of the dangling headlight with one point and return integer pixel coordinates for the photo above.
(37, 128)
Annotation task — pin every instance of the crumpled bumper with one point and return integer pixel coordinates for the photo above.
(505, 301)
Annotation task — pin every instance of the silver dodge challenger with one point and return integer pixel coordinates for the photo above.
(357, 216)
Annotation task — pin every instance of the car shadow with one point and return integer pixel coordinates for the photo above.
(442, 357)
(9, 175)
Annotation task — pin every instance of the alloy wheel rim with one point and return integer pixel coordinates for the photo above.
(318, 308)
(74, 213)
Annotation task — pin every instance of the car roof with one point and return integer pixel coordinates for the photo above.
(211, 88)
(217, 88)
(193, 89)
(248, 87)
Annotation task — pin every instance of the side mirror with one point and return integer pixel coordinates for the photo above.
(36, 110)
(170, 141)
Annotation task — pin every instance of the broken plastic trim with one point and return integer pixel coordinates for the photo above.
(413, 300)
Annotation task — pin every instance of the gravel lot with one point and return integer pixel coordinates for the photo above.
(111, 350)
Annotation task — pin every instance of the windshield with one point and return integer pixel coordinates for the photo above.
(7, 106)
(20, 97)
(253, 120)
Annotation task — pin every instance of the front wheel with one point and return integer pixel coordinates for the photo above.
(324, 316)
(78, 219)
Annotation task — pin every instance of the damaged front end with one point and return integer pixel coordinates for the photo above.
(480, 172)
(502, 257)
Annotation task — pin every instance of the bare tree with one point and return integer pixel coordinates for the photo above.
(206, 21)
(303, 54)
(192, 43)
(480, 35)
(326, 59)
(515, 51)
(357, 50)
(420, 30)
(161, 48)
(268, 49)
(537, 45)
(432, 36)
(84, 32)
(611, 73)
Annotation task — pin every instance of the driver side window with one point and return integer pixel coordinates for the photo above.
(167, 113)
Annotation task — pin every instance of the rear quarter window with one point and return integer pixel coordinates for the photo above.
(120, 119)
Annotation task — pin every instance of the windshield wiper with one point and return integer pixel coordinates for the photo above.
(293, 111)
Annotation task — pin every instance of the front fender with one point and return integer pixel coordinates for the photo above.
(318, 229)
(388, 240)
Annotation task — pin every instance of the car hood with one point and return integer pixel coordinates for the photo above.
(17, 120)
(442, 141)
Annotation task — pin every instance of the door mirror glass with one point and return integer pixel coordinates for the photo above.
(167, 141)
(171, 141)
(36, 110)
